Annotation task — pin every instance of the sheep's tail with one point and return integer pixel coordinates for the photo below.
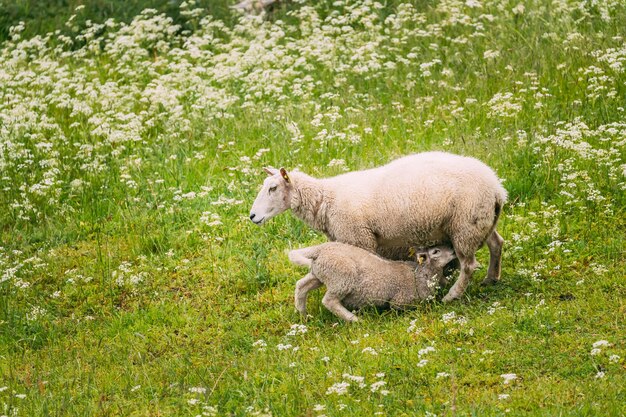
(304, 256)
(501, 198)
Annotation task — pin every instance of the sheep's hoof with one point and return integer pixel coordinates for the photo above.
(449, 298)
(489, 281)
(353, 319)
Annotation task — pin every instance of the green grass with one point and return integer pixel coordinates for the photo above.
(132, 282)
(53, 14)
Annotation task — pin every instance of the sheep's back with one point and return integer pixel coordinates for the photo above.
(411, 198)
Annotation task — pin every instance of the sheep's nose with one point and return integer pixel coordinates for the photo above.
(252, 216)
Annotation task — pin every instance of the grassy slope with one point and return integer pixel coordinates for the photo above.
(208, 293)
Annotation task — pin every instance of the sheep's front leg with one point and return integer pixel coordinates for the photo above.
(303, 286)
(333, 303)
(468, 265)
(494, 243)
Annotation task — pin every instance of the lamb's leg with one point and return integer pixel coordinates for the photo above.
(333, 303)
(468, 265)
(494, 243)
(303, 286)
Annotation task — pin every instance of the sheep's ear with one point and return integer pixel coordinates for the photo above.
(421, 257)
(283, 173)
(270, 171)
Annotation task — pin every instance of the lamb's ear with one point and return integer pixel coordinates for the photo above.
(419, 254)
(283, 173)
(270, 171)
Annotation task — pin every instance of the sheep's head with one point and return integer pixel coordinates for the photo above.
(273, 198)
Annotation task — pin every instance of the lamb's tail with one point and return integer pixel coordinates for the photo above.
(304, 256)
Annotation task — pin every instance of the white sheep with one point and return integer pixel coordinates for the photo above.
(420, 200)
(356, 278)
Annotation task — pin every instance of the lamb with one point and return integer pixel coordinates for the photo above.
(420, 200)
(355, 277)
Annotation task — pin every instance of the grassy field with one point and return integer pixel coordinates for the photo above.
(133, 284)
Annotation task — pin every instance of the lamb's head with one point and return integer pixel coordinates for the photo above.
(274, 196)
(437, 257)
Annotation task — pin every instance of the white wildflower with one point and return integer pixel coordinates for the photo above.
(355, 378)
(413, 327)
(599, 343)
(210, 219)
(260, 344)
(369, 350)
(504, 105)
(297, 329)
(446, 317)
(339, 388)
(519, 9)
(426, 350)
(35, 313)
(377, 385)
(338, 163)
(508, 378)
(489, 54)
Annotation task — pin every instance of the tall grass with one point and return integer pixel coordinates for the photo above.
(132, 282)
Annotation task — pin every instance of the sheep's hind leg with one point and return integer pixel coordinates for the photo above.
(494, 243)
(333, 303)
(468, 265)
(303, 286)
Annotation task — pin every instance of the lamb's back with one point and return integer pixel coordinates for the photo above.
(359, 275)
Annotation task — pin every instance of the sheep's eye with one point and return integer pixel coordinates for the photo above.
(272, 189)
(436, 252)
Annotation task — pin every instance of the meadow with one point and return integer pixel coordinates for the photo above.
(132, 282)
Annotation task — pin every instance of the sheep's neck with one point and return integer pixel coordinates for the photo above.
(423, 289)
(310, 202)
